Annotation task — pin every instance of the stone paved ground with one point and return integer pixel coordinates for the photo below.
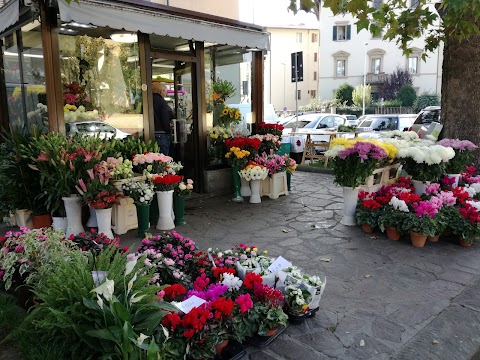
(403, 302)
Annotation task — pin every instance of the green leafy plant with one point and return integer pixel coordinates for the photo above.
(407, 95)
(421, 224)
(425, 99)
(344, 94)
(222, 90)
(357, 95)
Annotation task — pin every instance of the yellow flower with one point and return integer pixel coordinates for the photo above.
(305, 307)
(225, 135)
(247, 249)
(265, 252)
(224, 112)
(255, 249)
(214, 136)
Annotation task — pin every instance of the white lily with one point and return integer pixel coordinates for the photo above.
(141, 338)
(130, 266)
(106, 289)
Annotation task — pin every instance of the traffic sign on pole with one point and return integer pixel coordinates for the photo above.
(297, 66)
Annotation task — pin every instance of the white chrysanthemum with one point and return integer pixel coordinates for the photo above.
(333, 152)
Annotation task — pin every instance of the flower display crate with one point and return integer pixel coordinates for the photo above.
(386, 175)
(118, 183)
(124, 216)
(275, 185)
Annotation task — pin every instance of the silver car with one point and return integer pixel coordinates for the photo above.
(371, 126)
(95, 128)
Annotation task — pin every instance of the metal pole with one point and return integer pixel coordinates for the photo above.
(296, 88)
(364, 78)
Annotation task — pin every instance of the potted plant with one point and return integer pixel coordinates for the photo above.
(142, 193)
(296, 303)
(100, 194)
(164, 186)
(182, 191)
(425, 163)
(272, 316)
(422, 221)
(465, 223)
(463, 153)
(351, 167)
(368, 211)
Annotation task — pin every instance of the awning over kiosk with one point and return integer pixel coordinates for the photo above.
(129, 18)
(9, 14)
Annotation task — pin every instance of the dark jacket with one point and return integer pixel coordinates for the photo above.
(162, 114)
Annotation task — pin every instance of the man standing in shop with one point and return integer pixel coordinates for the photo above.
(162, 115)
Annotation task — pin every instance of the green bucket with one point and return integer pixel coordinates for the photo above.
(284, 149)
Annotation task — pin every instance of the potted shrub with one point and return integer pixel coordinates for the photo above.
(368, 211)
(296, 303)
(465, 223)
(421, 221)
(272, 316)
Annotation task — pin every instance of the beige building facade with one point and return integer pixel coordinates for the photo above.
(225, 8)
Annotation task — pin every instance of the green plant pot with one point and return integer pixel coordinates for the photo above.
(289, 179)
(179, 209)
(237, 197)
(143, 218)
(154, 210)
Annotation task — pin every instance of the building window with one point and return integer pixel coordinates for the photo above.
(376, 66)
(313, 94)
(314, 37)
(299, 37)
(341, 68)
(315, 57)
(413, 65)
(299, 94)
(314, 76)
(342, 32)
(340, 64)
(377, 4)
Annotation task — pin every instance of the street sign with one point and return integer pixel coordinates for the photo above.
(297, 66)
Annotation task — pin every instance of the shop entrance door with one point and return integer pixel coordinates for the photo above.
(177, 77)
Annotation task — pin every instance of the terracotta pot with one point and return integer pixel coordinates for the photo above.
(41, 221)
(367, 229)
(219, 347)
(271, 332)
(433, 238)
(418, 240)
(392, 233)
(465, 243)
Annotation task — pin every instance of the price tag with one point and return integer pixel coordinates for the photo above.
(279, 264)
(187, 305)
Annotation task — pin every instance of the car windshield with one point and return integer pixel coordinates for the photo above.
(380, 123)
(427, 116)
(296, 124)
(312, 124)
(351, 117)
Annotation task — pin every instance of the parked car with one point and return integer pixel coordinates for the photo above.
(426, 117)
(351, 120)
(311, 123)
(95, 128)
(371, 126)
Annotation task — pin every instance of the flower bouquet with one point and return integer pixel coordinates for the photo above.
(352, 165)
(253, 171)
(425, 163)
(236, 157)
(229, 116)
(244, 143)
(140, 191)
(120, 168)
(273, 162)
(98, 192)
(268, 143)
(463, 153)
(180, 193)
(166, 182)
(217, 149)
(297, 301)
(155, 163)
(184, 189)
(274, 129)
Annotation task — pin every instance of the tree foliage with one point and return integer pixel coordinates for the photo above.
(344, 94)
(402, 23)
(425, 99)
(358, 95)
(407, 95)
(394, 82)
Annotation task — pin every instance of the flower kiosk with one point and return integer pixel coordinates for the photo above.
(437, 197)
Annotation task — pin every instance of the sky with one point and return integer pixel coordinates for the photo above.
(273, 12)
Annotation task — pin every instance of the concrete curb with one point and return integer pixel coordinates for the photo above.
(308, 168)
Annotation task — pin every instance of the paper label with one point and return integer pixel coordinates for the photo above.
(279, 264)
(187, 305)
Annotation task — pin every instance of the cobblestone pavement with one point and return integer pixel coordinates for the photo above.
(383, 299)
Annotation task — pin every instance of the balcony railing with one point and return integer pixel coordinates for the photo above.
(376, 78)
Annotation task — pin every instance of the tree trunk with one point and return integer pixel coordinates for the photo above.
(461, 90)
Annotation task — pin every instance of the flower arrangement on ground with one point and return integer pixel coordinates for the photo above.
(463, 153)
(297, 300)
(425, 163)
(352, 166)
(274, 129)
(368, 209)
(253, 171)
(166, 182)
(184, 189)
(273, 162)
(269, 142)
(217, 149)
(141, 192)
(98, 192)
(237, 157)
(269, 308)
(464, 221)
(422, 218)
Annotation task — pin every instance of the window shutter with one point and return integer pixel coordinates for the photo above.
(349, 31)
(335, 33)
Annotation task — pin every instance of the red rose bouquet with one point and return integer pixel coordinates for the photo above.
(166, 182)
